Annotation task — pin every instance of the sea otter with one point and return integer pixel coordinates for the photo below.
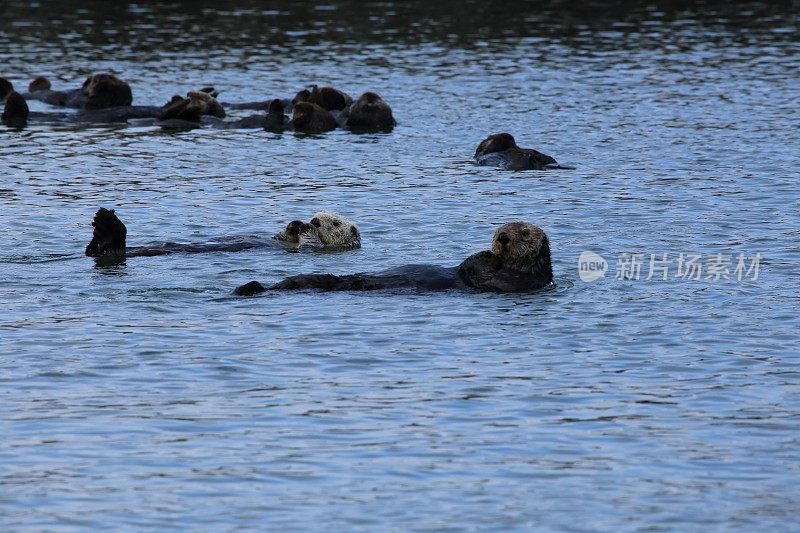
(501, 150)
(15, 112)
(518, 261)
(99, 91)
(327, 98)
(311, 118)
(324, 230)
(193, 107)
(369, 114)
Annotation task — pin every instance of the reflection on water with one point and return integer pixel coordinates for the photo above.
(143, 395)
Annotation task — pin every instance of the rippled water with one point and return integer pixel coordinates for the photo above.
(146, 396)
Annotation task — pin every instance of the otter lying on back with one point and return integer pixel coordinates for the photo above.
(518, 261)
(99, 91)
(501, 150)
(324, 230)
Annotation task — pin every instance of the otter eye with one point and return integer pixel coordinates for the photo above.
(336, 223)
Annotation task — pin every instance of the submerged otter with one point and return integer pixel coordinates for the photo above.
(518, 261)
(15, 112)
(501, 150)
(324, 230)
(370, 114)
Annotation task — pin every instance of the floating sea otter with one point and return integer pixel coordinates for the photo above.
(369, 114)
(501, 150)
(324, 230)
(99, 91)
(518, 261)
(311, 118)
(327, 98)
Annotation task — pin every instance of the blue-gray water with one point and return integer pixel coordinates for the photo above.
(144, 396)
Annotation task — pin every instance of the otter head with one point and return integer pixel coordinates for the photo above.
(39, 84)
(301, 96)
(524, 247)
(370, 98)
(275, 106)
(106, 90)
(311, 118)
(498, 142)
(206, 103)
(6, 88)
(108, 237)
(15, 113)
(334, 230)
(329, 98)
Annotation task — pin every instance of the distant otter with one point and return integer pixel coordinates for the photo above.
(193, 107)
(501, 150)
(39, 84)
(327, 98)
(6, 88)
(518, 261)
(325, 230)
(311, 118)
(15, 113)
(370, 114)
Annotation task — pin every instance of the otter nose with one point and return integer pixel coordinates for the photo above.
(315, 222)
(503, 239)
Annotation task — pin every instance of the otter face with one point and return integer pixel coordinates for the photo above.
(107, 90)
(39, 84)
(334, 230)
(498, 142)
(522, 246)
(206, 103)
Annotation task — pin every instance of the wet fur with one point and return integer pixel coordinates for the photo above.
(311, 118)
(370, 114)
(501, 150)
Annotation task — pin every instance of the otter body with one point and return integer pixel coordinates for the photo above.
(99, 91)
(369, 114)
(518, 261)
(501, 150)
(325, 230)
(15, 112)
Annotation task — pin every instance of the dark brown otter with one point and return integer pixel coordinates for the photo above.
(106, 90)
(15, 113)
(311, 118)
(276, 121)
(518, 261)
(370, 114)
(39, 84)
(501, 150)
(6, 88)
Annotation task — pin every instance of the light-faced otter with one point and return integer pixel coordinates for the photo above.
(6, 88)
(193, 107)
(518, 261)
(501, 150)
(325, 231)
(311, 118)
(15, 113)
(370, 114)
(327, 98)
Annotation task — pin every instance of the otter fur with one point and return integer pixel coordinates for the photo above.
(193, 107)
(501, 150)
(370, 114)
(15, 112)
(519, 260)
(324, 231)
(311, 118)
